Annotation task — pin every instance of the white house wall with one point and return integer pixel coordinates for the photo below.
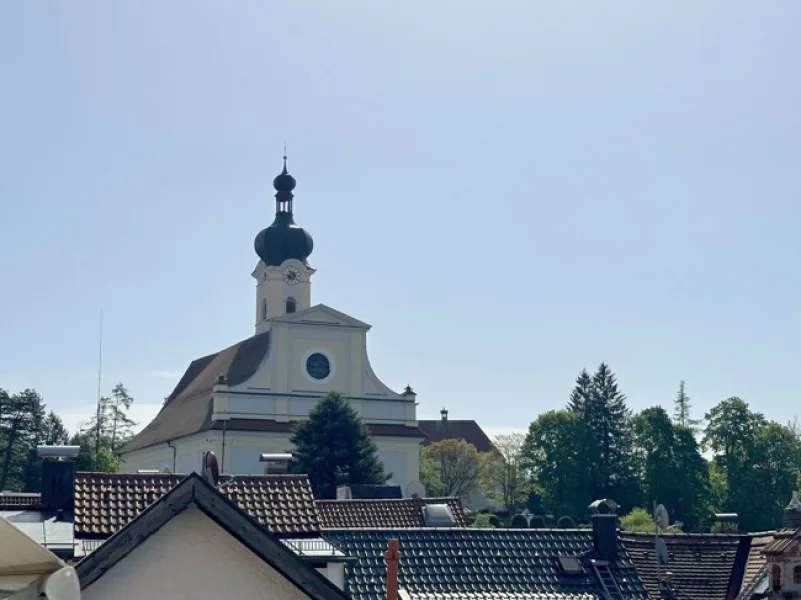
(191, 556)
(400, 455)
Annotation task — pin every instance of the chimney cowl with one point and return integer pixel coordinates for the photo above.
(444, 414)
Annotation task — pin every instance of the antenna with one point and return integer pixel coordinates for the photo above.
(99, 379)
(661, 521)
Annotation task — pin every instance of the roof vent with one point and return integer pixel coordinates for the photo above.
(437, 515)
(570, 565)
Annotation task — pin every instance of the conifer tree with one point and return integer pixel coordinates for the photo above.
(334, 442)
(681, 412)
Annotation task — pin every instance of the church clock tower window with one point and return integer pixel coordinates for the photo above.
(291, 305)
(264, 309)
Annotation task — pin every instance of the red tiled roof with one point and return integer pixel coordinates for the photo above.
(469, 431)
(105, 502)
(702, 565)
(395, 513)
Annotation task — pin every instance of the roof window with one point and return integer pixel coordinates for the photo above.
(437, 515)
(570, 565)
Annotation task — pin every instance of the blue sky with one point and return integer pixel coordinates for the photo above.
(506, 194)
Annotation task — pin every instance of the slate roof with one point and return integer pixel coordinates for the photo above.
(105, 502)
(485, 562)
(469, 431)
(365, 514)
(193, 490)
(703, 566)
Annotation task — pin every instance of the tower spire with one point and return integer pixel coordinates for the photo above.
(285, 171)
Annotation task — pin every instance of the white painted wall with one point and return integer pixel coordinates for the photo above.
(272, 291)
(335, 572)
(401, 456)
(192, 557)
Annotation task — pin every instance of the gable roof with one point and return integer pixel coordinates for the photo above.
(396, 513)
(187, 409)
(480, 562)
(194, 490)
(302, 316)
(702, 565)
(105, 502)
(469, 431)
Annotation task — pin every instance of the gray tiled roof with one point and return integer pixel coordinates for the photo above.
(503, 596)
(479, 563)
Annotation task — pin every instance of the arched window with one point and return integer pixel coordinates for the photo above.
(776, 576)
(797, 574)
(291, 305)
(264, 309)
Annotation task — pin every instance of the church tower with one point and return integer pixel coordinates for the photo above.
(283, 275)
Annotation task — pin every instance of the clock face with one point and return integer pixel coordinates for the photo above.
(318, 366)
(291, 276)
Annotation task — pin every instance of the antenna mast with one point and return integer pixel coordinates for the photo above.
(99, 373)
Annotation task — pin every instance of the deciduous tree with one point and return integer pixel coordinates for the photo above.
(505, 481)
(460, 466)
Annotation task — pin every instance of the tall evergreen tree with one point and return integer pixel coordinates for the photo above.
(21, 422)
(681, 412)
(332, 442)
(606, 437)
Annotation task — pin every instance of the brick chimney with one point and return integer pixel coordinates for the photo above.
(392, 556)
(791, 518)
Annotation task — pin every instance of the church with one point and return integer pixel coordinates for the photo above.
(245, 400)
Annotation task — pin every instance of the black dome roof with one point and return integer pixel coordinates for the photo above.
(283, 239)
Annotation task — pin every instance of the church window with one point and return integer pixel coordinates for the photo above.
(291, 305)
(797, 574)
(264, 309)
(776, 576)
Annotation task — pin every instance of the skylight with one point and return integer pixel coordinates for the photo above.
(571, 565)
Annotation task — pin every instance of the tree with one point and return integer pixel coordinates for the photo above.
(121, 424)
(334, 442)
(505, 480)
(21, 423)
(553, 455)
(460, 466)
(681, 413)
(483, 521)
(759, 460)
(606, 437)
(430, 474)
(673, 472)
(638, 520)
(103, 461)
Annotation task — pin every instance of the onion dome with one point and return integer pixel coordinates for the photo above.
(283, 239)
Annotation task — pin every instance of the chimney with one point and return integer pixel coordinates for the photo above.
(791, 518)
(343, 489)
(392, 557)
(276, 463)
(604, 528)
(444, 414)
(58, 475)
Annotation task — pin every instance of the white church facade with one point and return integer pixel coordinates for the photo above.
(245, 400)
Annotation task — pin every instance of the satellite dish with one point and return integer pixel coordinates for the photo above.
(211, 471)
(662, 517)
(415, 489)
(661, 551)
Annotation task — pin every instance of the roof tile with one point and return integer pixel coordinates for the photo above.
(479, 563)
(398, 513)
(701, 565)
(105, 502)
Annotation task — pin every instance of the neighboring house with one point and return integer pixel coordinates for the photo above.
(703, 566)
(774, 562)
(195, 543)
(396, 513)
(50, 526)
(282, 504)
(468, 431)
(477, 564)
(246, 399)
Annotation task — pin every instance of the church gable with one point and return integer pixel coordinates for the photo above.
(321, 314)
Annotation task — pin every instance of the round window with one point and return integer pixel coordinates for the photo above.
(318, 366)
